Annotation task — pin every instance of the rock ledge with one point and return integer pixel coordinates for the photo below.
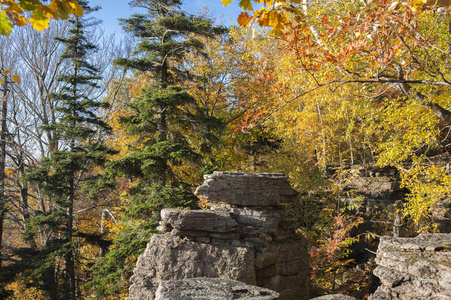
(414, 268)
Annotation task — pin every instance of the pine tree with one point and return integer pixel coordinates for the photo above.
(69, 168)
(166, 118)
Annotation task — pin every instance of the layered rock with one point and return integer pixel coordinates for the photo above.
(170, 257)
(245, 236)
(414, 268)
(247, 189)
(211, 289)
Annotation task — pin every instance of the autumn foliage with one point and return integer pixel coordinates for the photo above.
(37, 13)
(307, 88)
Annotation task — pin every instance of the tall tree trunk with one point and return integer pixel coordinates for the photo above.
(70, 287)
(323, 163)
(69, 259)
(162, 127)
(23, 191)
(350, 140)
(50, 284)
(103, 232)
(3, 136)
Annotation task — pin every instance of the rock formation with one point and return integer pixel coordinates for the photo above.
(441, 215)
(246, 235)
(414, 268)
(211, 289)
(334, 297)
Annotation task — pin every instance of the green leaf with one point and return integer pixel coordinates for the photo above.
(5, 24)
(27, 5)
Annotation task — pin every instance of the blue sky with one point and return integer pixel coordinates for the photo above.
(112, 10)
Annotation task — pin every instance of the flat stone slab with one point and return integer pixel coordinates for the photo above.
(197, 220)
(334, 297)
(211, 289)
(247, 189)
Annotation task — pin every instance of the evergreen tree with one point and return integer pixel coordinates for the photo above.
(68, 170)
(166, 118)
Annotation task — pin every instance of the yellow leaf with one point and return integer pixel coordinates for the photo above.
(273, 19)
(40, 25)
(7, 71)
(16, 78)
(39, 21)
(76, 9)
(9, 171)
(5, 23)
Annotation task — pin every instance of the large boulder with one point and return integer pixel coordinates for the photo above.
(169, 257)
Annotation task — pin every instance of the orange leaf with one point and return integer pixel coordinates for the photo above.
(244, 19)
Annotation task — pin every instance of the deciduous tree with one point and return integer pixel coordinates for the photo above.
(388, 55)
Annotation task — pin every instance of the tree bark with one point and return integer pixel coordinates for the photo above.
(3, 137)
(442, 113)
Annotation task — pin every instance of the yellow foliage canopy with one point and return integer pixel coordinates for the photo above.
(365, 82)
(14, 13)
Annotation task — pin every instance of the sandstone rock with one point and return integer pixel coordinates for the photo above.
(246, 189)
(334, 297)
(255, 244)
(374, 185)
(414, 268)
(170, 257)
(256, 221)
(211, 289)
(287, 286)
(197, 220)
(441, 215)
